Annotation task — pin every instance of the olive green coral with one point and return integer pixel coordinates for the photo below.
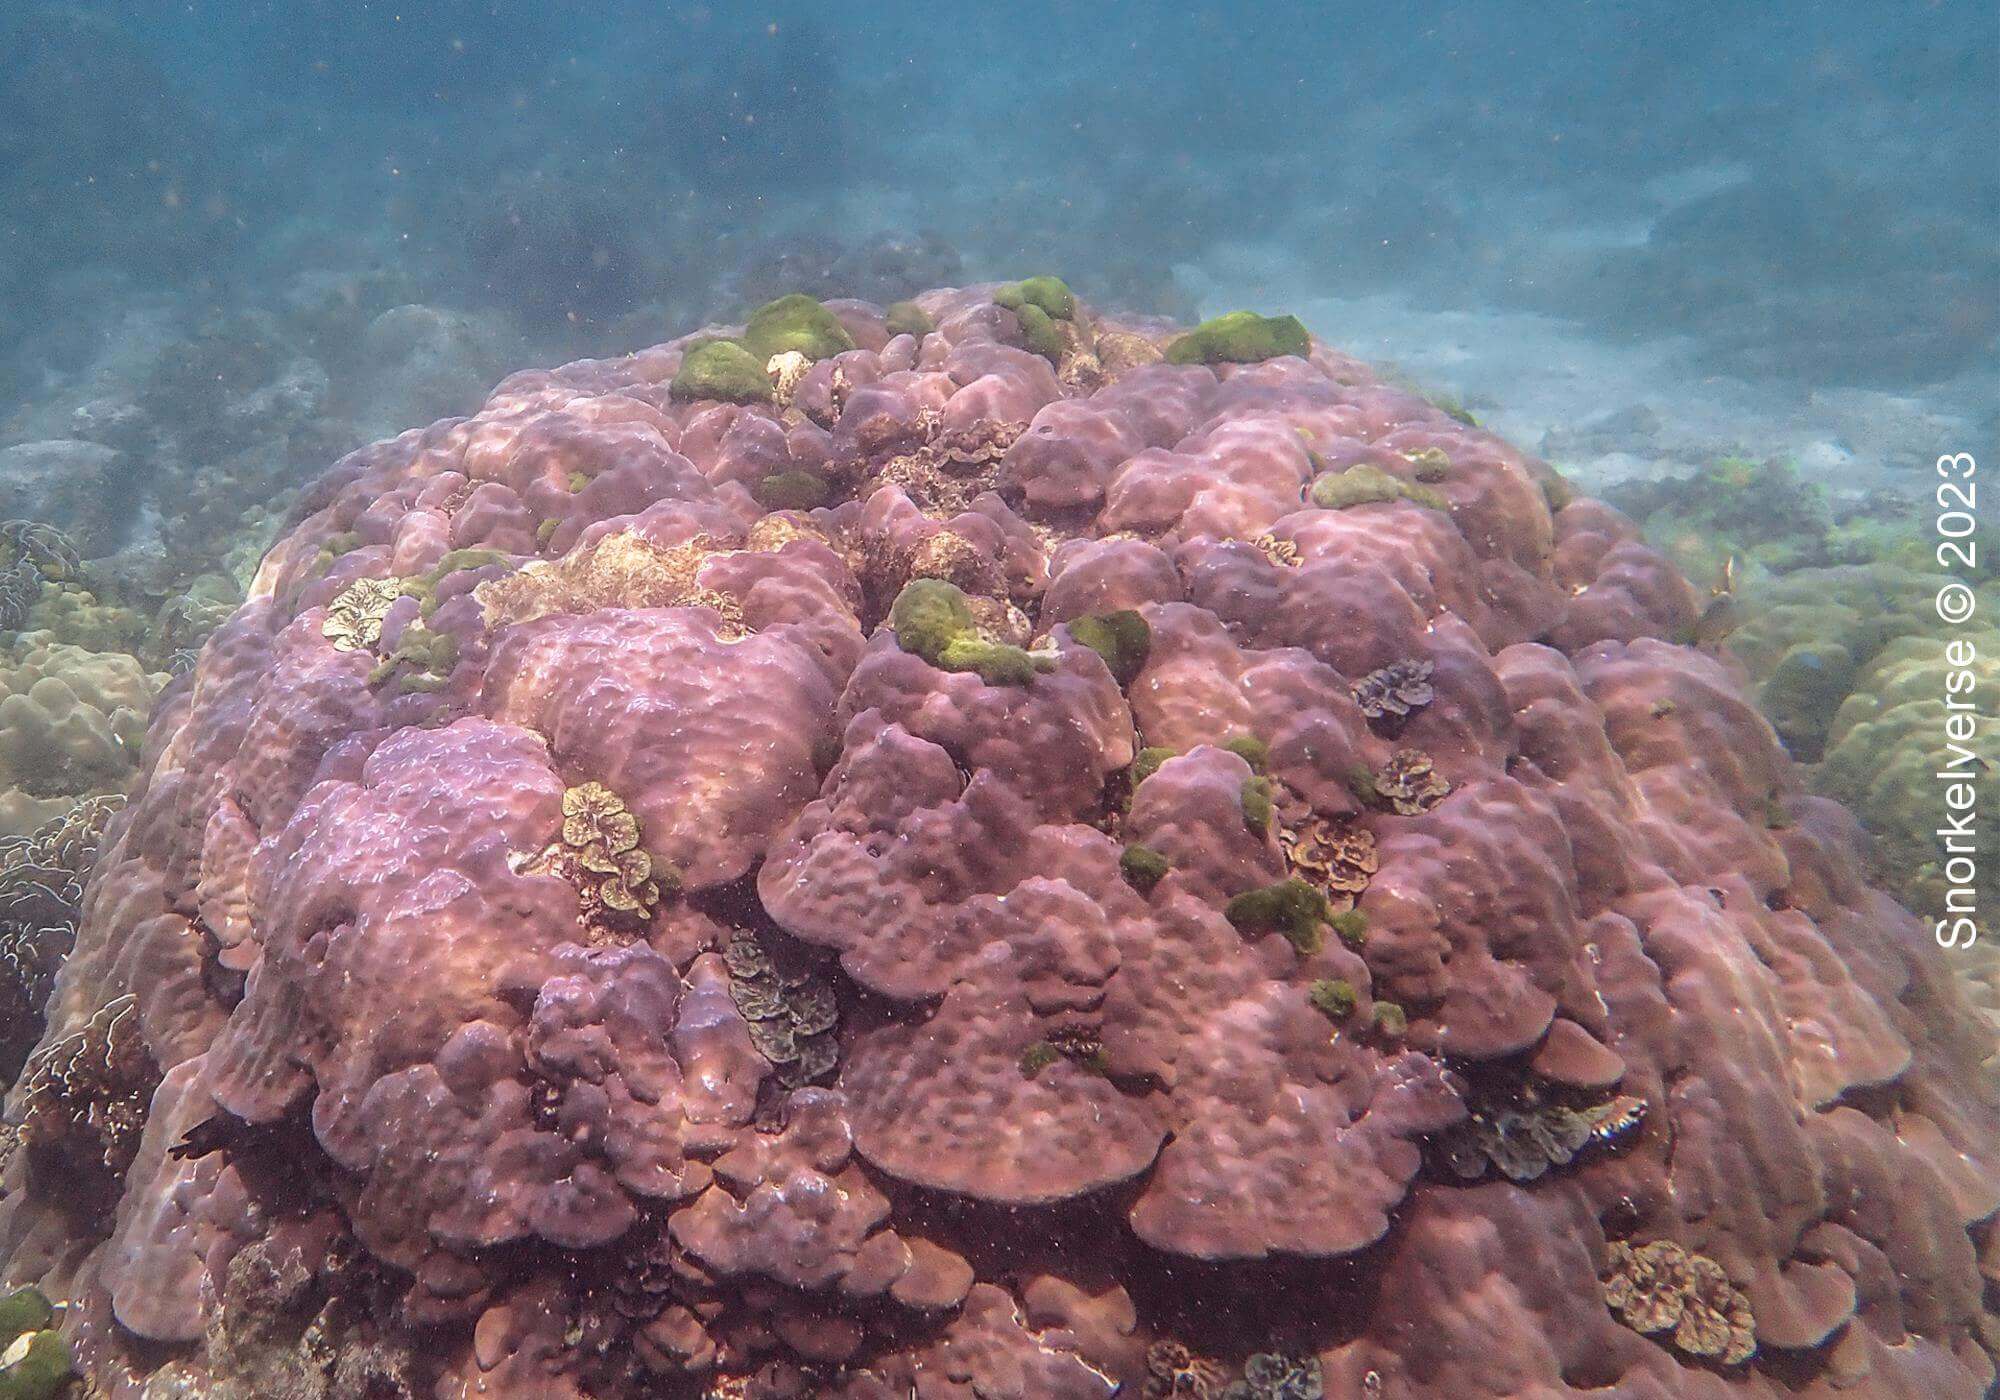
(724, 371)
(1240, 337)
(794, 322)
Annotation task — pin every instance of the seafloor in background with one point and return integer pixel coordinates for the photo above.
(982, 850)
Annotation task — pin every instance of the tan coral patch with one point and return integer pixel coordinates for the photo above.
(622, 570)
(354, 618)
(1662, 1286)
(1409, 784)
(1331, 855)
(952, 469)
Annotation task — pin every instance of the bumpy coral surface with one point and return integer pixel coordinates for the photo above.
(71, 724)
(583, 948)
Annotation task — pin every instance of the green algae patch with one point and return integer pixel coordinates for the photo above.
(1365, 484)
(1039, 333)
(932, 619)
(1257, 806)
(794, 322)
(1148, 763)
(1142, 868)
(792, 490)
(1429, 463)
(1122, 638)
(1352, 926)
(24, 1310)
(35, 1362)
(424, 587)
(1391, 1020)
(1333, 998)
(996, 663)
(1038, 1057)
(1291, 907)
(908, 318)
(723, 371)
(1251, 750)
(1240, 338)
(1049, 295)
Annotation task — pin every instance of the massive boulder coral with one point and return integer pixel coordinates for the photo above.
(1066, 904)
(71, 725)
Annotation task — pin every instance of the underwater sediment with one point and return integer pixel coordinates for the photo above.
(977, 850)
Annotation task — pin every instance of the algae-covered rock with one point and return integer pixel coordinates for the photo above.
(724, 371)
(1240, 337)
(794, 322)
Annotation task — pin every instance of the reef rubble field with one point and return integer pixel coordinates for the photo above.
(978, 850)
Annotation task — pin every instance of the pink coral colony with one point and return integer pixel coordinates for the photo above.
(568, 942)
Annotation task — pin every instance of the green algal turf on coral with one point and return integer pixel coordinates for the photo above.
(1148, 763)
(932, 619)
(792, 490)
(1256, 799)
(908, 318)
(1391, 1020)
(1251, 750)
(1039, 333)
(794, 322)
(1142, 868)
(1038, 1057)
(1429, 463)
(1365, 484)
(1291, 907)
(1122, 638)
(1352, 926)
(1049, 295)
(724, 371)
(34, 1360)
(1241, 337)
(1333, 998)
(424, 587)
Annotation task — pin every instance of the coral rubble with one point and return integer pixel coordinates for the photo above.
(802, 864)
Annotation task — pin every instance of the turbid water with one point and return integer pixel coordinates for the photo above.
(1013, 703)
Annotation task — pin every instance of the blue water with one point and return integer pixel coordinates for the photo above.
(1808, 188)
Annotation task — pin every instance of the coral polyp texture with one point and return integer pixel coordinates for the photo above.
(1083, 909)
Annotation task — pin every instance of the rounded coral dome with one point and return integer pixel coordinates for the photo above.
(974, 849)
